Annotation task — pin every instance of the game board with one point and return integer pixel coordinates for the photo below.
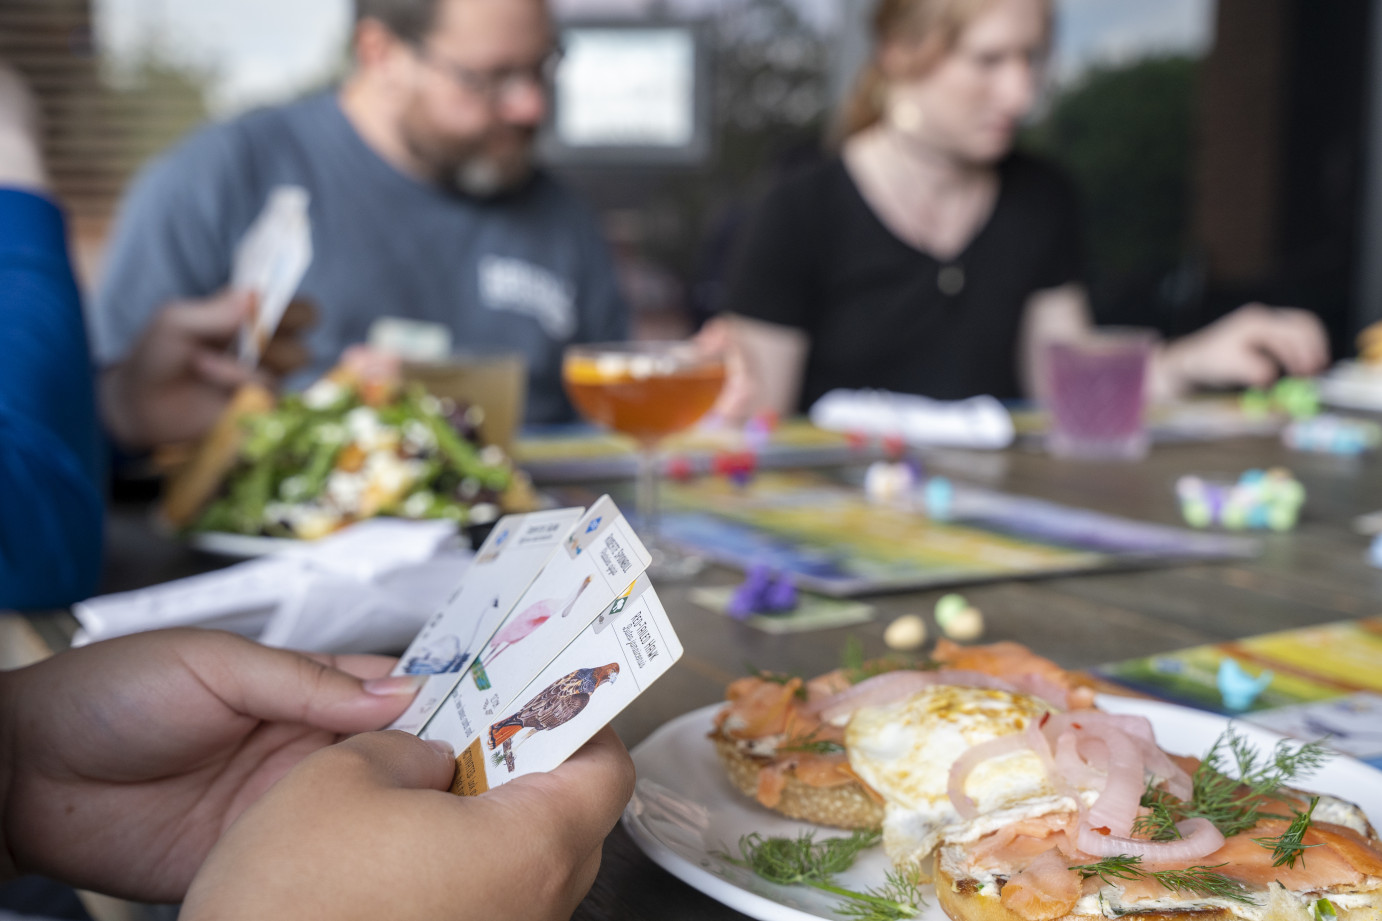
(831, 539)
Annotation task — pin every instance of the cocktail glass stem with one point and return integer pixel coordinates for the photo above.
(668, 563)
(646, 488)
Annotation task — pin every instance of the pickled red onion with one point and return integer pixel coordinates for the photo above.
(1116, 807)
(1200, 839)
(974, 756)
(1074, 767)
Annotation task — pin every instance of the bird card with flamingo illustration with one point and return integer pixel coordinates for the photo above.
(516, 550)
(603, 670)
(578, 583)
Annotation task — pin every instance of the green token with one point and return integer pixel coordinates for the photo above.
(948, 607)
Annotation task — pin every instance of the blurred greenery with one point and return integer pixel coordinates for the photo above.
(1125, 134)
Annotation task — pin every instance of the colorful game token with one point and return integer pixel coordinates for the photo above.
(1331, 434)
(1298, 397)
(1238, 688)
(1259, 500)
(736, 466)
(906, 633)
(958, 619)
(758, 431)
(679, 468)
(765, 591)
(939, 495)
(1256, 403)
(889, 483)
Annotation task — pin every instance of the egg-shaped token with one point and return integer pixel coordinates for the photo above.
(906, 633)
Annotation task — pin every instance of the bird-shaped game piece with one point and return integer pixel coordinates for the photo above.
(557, 705)
(1238, 688)
(534, 616)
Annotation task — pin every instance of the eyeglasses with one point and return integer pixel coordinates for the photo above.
(499, 85)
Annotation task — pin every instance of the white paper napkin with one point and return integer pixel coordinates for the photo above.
(978, 422)
(368, 588)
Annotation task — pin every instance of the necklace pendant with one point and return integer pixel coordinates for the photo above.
(950, 280)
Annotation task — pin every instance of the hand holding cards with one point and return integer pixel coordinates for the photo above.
(554, 631)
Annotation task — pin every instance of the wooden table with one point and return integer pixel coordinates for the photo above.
(1316, 574)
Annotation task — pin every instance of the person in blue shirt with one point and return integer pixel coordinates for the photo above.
(426, 203)
(52, 445)
(51, 453)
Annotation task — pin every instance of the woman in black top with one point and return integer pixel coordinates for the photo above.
(928, 257)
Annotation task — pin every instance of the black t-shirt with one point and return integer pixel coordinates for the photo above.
(883, 314)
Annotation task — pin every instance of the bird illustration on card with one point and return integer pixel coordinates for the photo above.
(558, 704)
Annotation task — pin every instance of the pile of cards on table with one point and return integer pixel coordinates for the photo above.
(554, 630)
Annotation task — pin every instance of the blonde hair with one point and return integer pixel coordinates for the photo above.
(934, 24)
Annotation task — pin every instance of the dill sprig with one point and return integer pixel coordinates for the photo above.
(897, 899)
(1159, 822)
(776, 678)
(1233, 803)
(1288, 846)
(856, 668)
(812, 745)
(804, 861)
(1201, 881)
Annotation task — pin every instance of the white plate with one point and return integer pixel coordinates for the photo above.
(684, 810)
(240, 546)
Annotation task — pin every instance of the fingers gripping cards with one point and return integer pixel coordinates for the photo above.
(516, 550)
(600, 673)
(552, 633)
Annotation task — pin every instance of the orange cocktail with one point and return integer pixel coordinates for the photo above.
(645, 396)
(647, 390)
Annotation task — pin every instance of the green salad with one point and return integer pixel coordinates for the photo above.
(325, 458)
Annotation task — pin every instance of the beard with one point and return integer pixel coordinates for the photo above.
(484, 165)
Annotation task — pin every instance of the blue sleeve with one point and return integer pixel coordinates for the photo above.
(51, 457)
(173, 238)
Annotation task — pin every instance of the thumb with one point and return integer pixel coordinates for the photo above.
(283, 686)
(393, 759)
(213, 319)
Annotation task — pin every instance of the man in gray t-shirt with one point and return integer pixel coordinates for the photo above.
(424, 205)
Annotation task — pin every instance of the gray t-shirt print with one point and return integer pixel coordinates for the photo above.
(525, 273)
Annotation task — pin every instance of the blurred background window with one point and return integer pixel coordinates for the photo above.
(1222, 147)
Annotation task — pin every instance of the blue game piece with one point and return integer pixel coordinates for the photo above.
(939, 495)
(1238, 688)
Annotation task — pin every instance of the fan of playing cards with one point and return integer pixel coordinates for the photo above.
(554, 630)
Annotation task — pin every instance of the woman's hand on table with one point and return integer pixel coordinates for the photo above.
(1250, 347)
(128, 759)
(364, 830)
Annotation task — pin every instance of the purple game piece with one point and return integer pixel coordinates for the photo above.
(781, 595)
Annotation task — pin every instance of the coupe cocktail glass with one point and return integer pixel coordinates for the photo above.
(646, 390)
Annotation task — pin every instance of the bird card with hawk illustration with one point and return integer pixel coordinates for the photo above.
(581, 580)
(614, 660)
